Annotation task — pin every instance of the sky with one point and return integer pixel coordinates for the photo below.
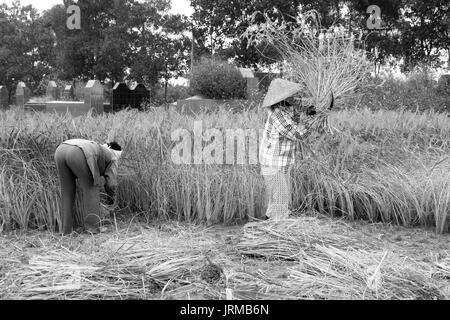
(178, 6)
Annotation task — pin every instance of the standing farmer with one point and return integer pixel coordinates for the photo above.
(86, 161)
(279, 144)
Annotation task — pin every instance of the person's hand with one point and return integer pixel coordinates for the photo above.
(296, 116)
(311, 111)
(111, 191)
(315, 125)
(320, 123)
(309, 123)
(109, 200)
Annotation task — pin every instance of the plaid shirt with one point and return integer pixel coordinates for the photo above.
(279, 142)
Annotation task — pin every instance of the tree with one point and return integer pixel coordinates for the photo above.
(414, 30)
(162, 45)
(119, 40)
(218, 25)
(26, 46)
(101, 49)
(424, 32)
(174, 47)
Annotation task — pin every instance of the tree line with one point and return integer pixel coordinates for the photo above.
(142, 41)
(413, 30)
(118, 40)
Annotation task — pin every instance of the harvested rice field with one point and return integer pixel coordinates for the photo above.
(304, 257)
(371, 203)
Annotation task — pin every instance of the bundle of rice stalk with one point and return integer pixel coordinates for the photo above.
(135, 273)
(291, 239)
(360, 274)
(327, 62)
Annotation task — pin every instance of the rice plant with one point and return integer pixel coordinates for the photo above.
(381, 166)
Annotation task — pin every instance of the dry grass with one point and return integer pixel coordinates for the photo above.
(323, 60)
(302, 258)
(119, 266)
(332, 265)
(326, 62)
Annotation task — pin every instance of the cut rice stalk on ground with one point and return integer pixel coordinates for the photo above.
(301, 258)
(334, 264)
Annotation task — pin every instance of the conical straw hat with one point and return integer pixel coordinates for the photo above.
(280, 90)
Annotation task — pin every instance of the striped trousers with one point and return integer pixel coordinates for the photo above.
(277, 192)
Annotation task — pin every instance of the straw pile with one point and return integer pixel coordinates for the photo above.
(335, 265)
(304, 258)
(139, 267)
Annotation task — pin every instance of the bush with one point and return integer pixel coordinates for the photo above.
(174, 93)
(218, 80)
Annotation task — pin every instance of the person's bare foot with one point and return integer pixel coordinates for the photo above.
(91, 229)
(79, 230)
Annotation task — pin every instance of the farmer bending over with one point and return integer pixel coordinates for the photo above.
(278, 146)
(86, 161)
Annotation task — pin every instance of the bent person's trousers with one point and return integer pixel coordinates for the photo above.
(71, 164)
(277, 193)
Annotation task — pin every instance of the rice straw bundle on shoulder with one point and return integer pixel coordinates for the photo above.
(326, 62)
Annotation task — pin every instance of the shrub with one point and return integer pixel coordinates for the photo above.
(218, 79)
(174, 93)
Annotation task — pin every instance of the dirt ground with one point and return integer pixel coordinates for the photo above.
(24, 255)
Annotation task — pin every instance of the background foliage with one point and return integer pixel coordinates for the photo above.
(218, 80)
(142, 41)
